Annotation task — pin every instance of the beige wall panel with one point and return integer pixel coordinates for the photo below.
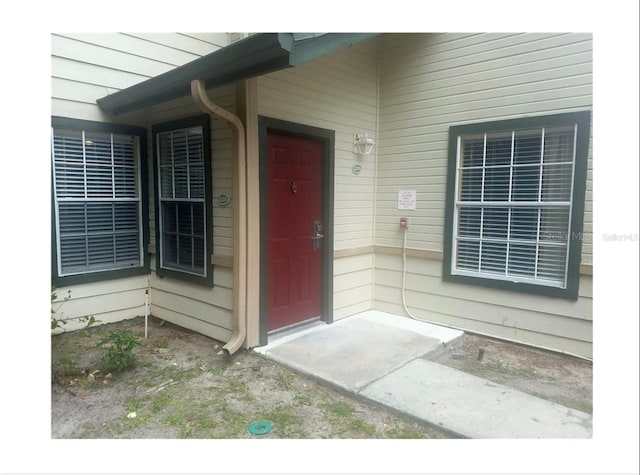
(433, 268)
(482, 57)
(323, 118)
(326, 95)
(474, 306)
(93, 54)
(412, 97)
(586, 286)
(111, 79)
(217, 39)
(199, 44)
(493, 313)
(352, 280)
(134, 46)
(108, 301)
(103, 63)
(217, 295)
(564, 327)
(204, 328)
(111, 317)
(577, 97)
(362, 238)
(66, 89)
(129, 302)
(429, 83)
(193, 308)
(352, 284)
(346, 265)
(78, 110)
(439, 92)
(115, 286)
(349, 297)
(223, 277)
(350, 310)
(576, 347)
(433, 286)
(448, 43)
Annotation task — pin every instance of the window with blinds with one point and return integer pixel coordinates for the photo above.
(183, 221)
(515, 203)
(97, 201)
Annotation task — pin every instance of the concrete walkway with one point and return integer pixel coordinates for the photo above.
(382, 358)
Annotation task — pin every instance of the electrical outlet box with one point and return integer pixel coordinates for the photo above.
(404, 222)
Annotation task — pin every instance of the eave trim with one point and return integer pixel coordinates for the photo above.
(253, 56)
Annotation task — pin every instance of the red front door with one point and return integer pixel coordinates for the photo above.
(295, 229)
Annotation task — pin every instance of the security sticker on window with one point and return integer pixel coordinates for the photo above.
(407, 199)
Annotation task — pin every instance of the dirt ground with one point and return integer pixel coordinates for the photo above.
(183, 386)
(563, 379)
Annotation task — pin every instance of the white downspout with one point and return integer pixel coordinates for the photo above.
(199, 94)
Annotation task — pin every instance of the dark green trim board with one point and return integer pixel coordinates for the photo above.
(94, 126)
(323, 44)
(202, 120)
(253, 56)
(97, 276)
(327, 139)
(583, 121)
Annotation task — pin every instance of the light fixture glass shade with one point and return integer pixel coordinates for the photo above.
(363, 144)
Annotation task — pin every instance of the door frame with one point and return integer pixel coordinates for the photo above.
(326, 137)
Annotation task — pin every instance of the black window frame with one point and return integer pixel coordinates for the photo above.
(66, 123)
(203, 121)
(581, 119)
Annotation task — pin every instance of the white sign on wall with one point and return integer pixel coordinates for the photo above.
(407, 199)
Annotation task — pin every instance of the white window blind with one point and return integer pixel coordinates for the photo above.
(513, 205)
(97, 201)
(180, 155)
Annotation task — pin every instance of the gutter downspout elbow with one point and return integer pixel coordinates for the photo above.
(239, 334)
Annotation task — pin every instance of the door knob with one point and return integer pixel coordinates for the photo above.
(317, 234)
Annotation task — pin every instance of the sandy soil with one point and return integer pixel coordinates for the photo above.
(182, 386)
(564, 379)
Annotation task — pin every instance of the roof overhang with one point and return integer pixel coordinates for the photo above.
(253, 56)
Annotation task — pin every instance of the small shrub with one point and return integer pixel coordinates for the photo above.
(120, 355)
(64, 366)
(161, 343)
(57, 322)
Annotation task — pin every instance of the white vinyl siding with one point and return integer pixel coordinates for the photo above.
(88, 66)
(428, 83)
(97, 201)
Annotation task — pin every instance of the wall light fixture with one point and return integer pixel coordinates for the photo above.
(363, 144)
